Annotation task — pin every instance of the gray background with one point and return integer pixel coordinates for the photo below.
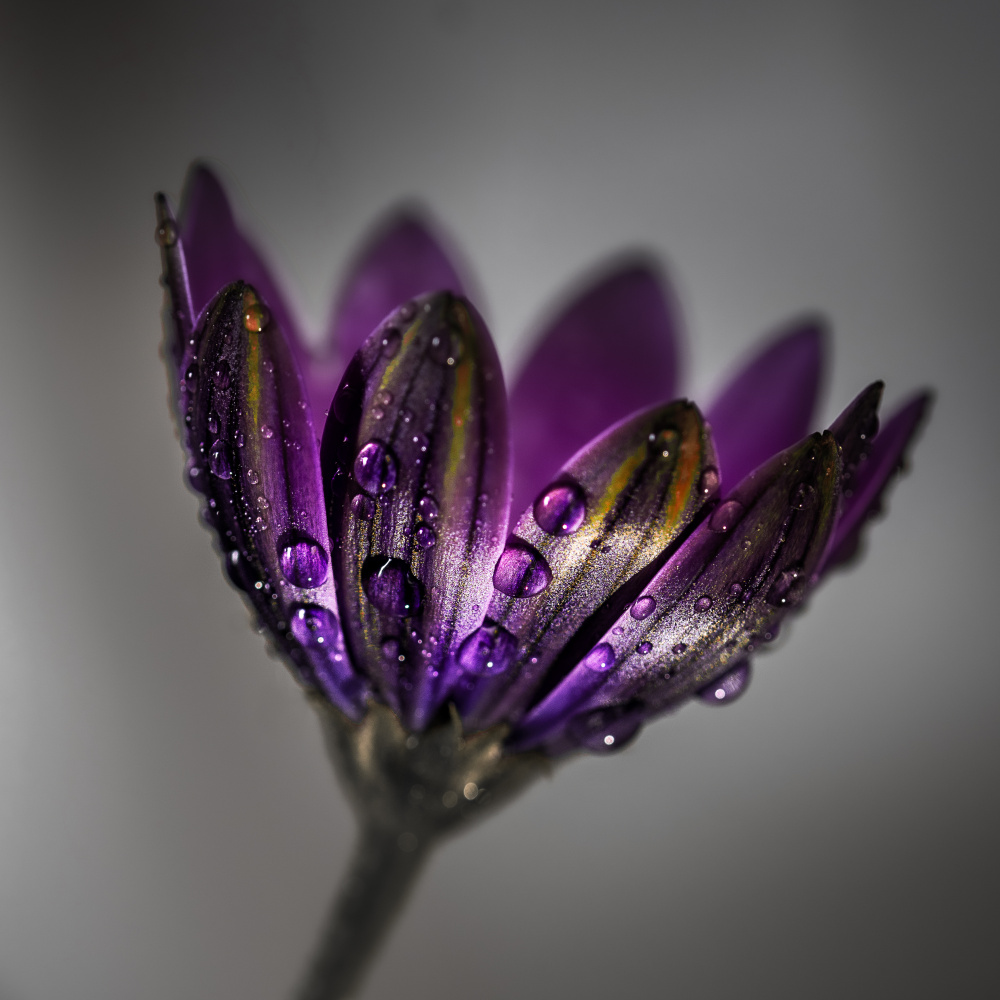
(168, 824)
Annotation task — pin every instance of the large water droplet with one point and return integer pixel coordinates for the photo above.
(521, 571)
(560, 510)
(303, 561)
(644, 647)
(314, 626)
(643, 607)
(726, 516)
(252, 478)
(605, 730)
(709, 481)
(375, 468)
(487, 651)
(728, 687)
(425, 537)
(600, 658)
(703, 603)
(428, 508)
(255, 314)
(390, 586)
(363, 507)
(267, 432)
(803, 496)
(220, 459)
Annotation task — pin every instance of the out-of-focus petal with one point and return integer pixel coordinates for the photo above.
(610, 352)
(416, 463)
(865, 488)
(259, 469)
(769, 403)
(605, 517)
(735, 577)
(402, 260)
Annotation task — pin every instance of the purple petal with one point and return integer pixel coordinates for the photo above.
(610, 352)
(218, 254)
(259, 469)
(402, 260)
(863, 494)
(769, 404)
(416, 459)
(730, 583)
(606, 516)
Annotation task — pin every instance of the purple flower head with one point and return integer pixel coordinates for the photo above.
(648, 552)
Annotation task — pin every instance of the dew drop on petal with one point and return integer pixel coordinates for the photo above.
(678, 648)
(363, 507)
(375, 468)
(644, 647)
(728, 687)
(643, 607)
(788, 589)
(255, 314)
(487, 651)
(425, 537)
(213, 423)
(600, 658)
(703, 603)
(427, 508)
(267, 432)
(220, 460)
(314, 626)
(803, 497)
(252, 477)
(726, 516)
(604, 730)
(709, 481)
(521, 571)
(304, 562)
(390, 586)
(390, 342)
(560, 510)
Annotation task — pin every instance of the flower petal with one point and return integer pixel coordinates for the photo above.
(404, 259)
(605, 517)
(735, 577)
(218, 254)
(769, 404)
(416, 459)
(610, 352)
(863, 492)
(259, 469)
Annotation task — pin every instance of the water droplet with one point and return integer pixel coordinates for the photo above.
(428, 508)
(191, 375)
(267, 432)
(600, 658)
(788, 589)
(643, 608)
(709, 481)
(383, 398)
(255, 314)
(314, 626)
(729, 686)
(618, 630)
(735, 589)
(605, 730)
(378, 413)
(803, 497)
(304, 562)
(560, 510)
(220, 460)
(487, 651)
(240, 441)
(425, 537)
(390, 586)
(521, 571)
(390, 342)
(703, 603)
(363, 507)
(252, 477)
(375, 468)
(166, 233)
(471, 790)
(644, 647)
(407, 311)
(726, 516)
(663, 444)
(213, 423)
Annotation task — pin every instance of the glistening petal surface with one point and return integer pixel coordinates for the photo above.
(417, 470)
(769, 403)
(402, 260)
(610, 352)
(259, 469)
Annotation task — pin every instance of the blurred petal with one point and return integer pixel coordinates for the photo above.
(735, 577)
(864, 491)
(610, 352)
(416, 459)
(218, 254)
(400, 262)
(259, 469)
(769, 404)
(606, 516)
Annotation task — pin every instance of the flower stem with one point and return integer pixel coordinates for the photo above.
(386, 862)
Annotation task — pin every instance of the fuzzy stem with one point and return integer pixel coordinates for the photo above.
(386, 862)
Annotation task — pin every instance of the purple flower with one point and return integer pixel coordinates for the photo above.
(648, 551)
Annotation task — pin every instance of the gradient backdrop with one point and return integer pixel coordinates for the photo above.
(169, 827)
